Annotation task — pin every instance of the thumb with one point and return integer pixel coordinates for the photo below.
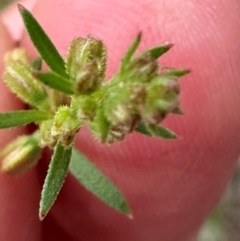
(18, 197)
(171, 186)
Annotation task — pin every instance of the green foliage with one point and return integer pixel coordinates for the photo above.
(54, 180)
(22, 117)
(42, 42)
(55, 81)
(74, 93)
(155, 130)
(96, 182)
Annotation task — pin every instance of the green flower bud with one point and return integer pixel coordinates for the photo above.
(82, 51)
(45, 136)
(144, 67)
(122, 119)
(88, 79)
(17, 54)
(118, 131)
(86, 107)
(162, 98)
(65, 125)
(20, 155)
(138, 94)
(122, 108)
(141, 69)
(19, 78)
(100, 125)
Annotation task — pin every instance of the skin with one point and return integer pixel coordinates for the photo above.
(171, 186)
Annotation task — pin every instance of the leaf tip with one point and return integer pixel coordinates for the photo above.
(42, 216)
(167, 46)
(174, 137)
(130, 216)
(21, 8)
(139, 35)
(178, 138)
(184, 72)
(125, 209)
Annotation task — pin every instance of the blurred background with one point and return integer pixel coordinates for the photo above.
(5, 3)
(224, 222)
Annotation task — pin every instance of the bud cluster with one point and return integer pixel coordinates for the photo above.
(73, 92)
(141, 94)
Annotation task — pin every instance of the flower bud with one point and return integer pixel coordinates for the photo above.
(86, 107)
(88, 79)
(20, 155)
(45, 136)
(141, 69)
(162, 98)
(138, 94)
(17, 54)
(83, 51)
(65, 125)
(122, 121)
(20, 80)
(100, 125)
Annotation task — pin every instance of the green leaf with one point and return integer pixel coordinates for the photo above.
(170, 72)
(55, 178)
(55, 81)
(153, 130)
(126, 59)
(42, 42)
(158, 51)
(142, 128)
(95, 181)
(22, 117)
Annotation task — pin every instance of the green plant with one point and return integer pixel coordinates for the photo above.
(73, 93)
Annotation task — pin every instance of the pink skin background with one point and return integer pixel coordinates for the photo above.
(171, 185)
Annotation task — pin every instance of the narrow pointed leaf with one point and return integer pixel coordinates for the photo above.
(22, 117)
(142, 128)
(176, 72)
(42, 42)
(155, 131)
(177, 111)
(158, 51)
(131, 51)
(55, 178)
(55, 81)
(160, 131)
(95, 181)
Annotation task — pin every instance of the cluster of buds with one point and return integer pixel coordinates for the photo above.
(141, 93)
(73, 92)
(138, 97)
